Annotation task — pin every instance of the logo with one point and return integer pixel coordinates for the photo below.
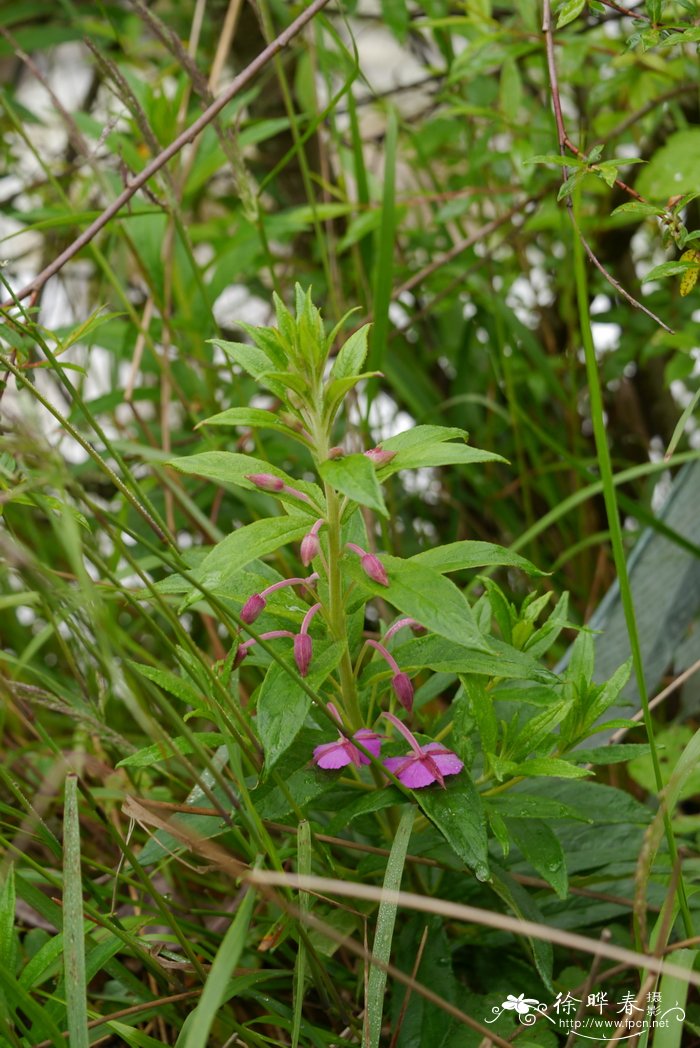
(597, 1018)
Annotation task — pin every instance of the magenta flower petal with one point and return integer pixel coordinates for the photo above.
(374, 569)
(371, 741)
(331, 755)
(411, 773)
(447, 761)
(380, 456)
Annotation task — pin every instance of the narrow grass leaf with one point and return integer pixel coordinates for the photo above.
(384, 933)
(304, 855)
(74, 930)
(195, 1034)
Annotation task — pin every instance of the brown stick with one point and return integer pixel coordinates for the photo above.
(170, 151)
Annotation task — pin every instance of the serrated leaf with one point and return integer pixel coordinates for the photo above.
(356, 477)
(458, 814)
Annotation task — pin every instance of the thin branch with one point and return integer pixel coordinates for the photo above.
(566, 143)
(187, 136)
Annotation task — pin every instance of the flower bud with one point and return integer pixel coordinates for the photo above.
(374, 569)
(403, 689)
(303, 650)
(336, 452)
(310, 547)
(241, 653)
(265, 481)
(379, 456)
(253, 607)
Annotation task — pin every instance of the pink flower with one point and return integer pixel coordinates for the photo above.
(379, 456)
(338, 754)
(371, 565)
(424, 764)
(310, 546)
(400, 682)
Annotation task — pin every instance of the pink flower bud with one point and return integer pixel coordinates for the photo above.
(379, 456)
(253, 607)
(374, 569)
(265, 481)
(310, 547)
(243, 650)
(336, 453)
(303, 650)
(403, 689)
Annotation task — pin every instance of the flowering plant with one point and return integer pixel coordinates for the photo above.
(400, 686)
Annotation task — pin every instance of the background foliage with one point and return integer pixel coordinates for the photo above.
(401, 160)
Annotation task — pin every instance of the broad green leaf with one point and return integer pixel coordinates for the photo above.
(351, 355)
(455, 556)
(244, 545)
(443, 454)
(420, 436)
(458, 814)
(615, 754)
(428, 597)
(226, 467)
(568, 11)
(541, 847)
(254, 418)
(667, 269)
(636, 207)
(356, 477)
(444, 656)
(516, 805)
(250, 358)
(550, 766)
(336, 390)
(600, 803)
(673, 168)
(283, 703)
(162, 751)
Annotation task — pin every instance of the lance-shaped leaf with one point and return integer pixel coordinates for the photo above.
(356, 477)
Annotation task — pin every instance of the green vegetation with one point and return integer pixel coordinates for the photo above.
(346, 355)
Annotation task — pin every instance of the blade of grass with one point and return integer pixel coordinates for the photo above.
(675, 989)
(196, 1032)
(384, 933)
(613, 515)
(304, 863)
(73, 928)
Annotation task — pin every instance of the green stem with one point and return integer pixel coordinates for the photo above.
(336, 609)
(609, 494)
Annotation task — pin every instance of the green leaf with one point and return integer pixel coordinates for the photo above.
(356, 477)
(455, 556)
(610, 754)
(523, 905)
(458, 814)
(250, 358)
(226, 467)
(170, 682)
(568, 11)
(351, 355)
(515, 805)
(384, 931)
(336, 390)
(672, 169)
(242, 546)
(542, 850)
(444, 656)
(254, 418)
(636, 207)
(420, 436)
(195, 1032)
(395, 16)
(73, 928)
(8, 936)
(428, 597)
(550, 766)
(162, 751)
(283, 703)
(667, 269)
